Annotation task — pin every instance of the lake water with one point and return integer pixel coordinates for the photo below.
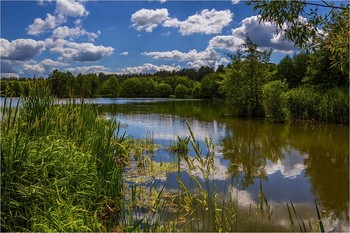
(299, 163)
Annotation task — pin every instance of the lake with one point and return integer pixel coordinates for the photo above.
(298, 163)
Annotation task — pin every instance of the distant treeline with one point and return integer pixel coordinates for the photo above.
(189, 83)
(303, 87)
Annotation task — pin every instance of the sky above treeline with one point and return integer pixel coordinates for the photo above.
(127, 36)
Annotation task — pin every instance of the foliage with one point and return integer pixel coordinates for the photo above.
(301, 22)
(131, 87)
(181, 91)
(274, 101)
(309, 104)
(196, 91)
(206, 90)
(59, 83)
(110, 87)
(164, 90)
(244, 79)
(149, 88)
(321, 73)
(286, 71)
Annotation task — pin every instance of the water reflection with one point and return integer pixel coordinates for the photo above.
(327, 164)
(250, 145)
(297, 163)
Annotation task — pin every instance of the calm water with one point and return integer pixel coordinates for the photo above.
(299, 163)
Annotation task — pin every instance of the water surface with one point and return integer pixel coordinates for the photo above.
(299, 163)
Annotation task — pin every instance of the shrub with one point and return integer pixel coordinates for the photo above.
(309, 104)
(274, 101)
(302, 104)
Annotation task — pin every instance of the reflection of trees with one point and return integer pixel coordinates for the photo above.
(250, 144)
(327, 164)
(201, 110)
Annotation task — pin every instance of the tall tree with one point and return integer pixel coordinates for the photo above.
(244, 78)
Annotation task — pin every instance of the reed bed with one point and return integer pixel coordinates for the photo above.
(61, 166)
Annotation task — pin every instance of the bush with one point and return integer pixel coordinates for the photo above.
(302, 104)
(274, 101)
(334, 106)
(309, 104)
(164, 90)
(180, 91)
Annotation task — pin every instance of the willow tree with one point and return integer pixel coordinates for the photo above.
(322, 25)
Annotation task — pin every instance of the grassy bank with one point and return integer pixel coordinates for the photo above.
(61, 166)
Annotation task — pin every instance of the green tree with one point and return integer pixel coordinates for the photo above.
(244, 79)
(88, 85)
(301, 63)
(321, 73)
(285, 71)
(180, 91)
(206, 87)
(110, 87)
(149, 87)
(59, 82)
(131, 87)
(196, 90)
(164, 90)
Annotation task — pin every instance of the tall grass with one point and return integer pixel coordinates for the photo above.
(310, 104)
(58, 166)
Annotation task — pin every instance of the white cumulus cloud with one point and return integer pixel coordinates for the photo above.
(83, 52)
(263, 34)
(41, 25)
(71, 8)
(148, 68)
(71, 33)
(205, 22)
(148, 20)
(208, 57)
(290, 167)
(42, 68)
(235, 1)
(20, 49)
(226, 42)
(88, 70)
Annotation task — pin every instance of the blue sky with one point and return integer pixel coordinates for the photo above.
(127, 36)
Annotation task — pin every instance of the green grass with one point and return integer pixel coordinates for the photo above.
(58, 166)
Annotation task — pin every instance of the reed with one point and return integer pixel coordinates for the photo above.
(58, 169)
